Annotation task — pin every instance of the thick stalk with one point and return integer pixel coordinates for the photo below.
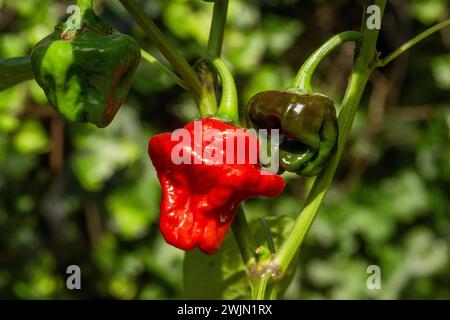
(74, 22)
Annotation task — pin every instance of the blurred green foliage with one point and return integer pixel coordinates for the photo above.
(389, 204)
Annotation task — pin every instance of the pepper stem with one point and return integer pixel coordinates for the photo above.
(407, 45)
(155, 62)
(303, 79)
(228, 107)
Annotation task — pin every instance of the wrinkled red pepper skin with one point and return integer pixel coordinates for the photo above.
(200, 200)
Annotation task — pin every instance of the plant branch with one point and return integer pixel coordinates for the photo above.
(172, 55)
(358, 80)
(303, 79)
(267, 235)
(155, 62)
(407, 45)
(217, 28)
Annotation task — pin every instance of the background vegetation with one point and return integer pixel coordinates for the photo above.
(74, 194)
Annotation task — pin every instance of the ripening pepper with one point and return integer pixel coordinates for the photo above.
(200, 196)
(307, 123)
(86, 68)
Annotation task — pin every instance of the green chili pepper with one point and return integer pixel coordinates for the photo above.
(86, 68)
(307, 124)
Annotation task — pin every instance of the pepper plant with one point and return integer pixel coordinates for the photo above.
(86, 68)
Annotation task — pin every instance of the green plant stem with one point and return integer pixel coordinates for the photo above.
(208, 79)
(217, 28)
(155, 62)
(303, 79)
(177, 61)
(358, 80)
(85, 4)
(14, 71)
(243, 236)
(407, 45)
(228, 107)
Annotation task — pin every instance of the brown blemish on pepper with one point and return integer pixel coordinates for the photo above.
(113, 106)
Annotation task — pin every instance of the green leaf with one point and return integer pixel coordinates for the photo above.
(246, 51)
(14, 71)
(223, 275)
(268, 77)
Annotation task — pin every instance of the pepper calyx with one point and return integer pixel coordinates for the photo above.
(307, 125)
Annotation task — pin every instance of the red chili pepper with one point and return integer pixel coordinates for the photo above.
(200, 198)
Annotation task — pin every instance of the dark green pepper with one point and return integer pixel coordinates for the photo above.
(307, 123)
(86, 72)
